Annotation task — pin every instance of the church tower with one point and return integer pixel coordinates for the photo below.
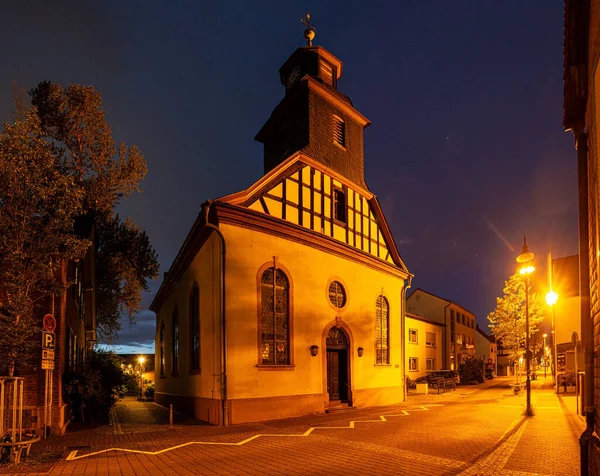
(314, 117)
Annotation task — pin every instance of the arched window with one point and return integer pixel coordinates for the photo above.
(382, 325)
(275, 318)
(175, 343)
(195, 328)
(162, 350)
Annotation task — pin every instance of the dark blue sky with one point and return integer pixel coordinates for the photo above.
(466, 151)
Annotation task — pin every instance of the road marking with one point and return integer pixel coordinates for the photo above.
(382, 419)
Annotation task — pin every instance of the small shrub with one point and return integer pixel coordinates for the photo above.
(471, 370)
(149, 392)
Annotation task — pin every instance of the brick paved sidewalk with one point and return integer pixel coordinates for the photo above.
(546, 443)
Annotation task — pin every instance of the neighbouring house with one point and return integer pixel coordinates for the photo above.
(582, 118)
(287, 298)
(458, 342)
(486, 349)
(424, 338)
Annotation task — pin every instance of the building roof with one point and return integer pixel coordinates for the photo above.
(424, 319)
(442, 299)
(492, 339)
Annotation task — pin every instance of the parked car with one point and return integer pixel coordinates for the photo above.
(490, 374)
(433, 377)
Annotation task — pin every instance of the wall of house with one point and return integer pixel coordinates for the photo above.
(420, 350)
(425, 305)
(194, 392)
(302, 387)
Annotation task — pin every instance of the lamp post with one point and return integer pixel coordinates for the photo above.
(141, 361)
(551, 299)
(544, 354)
(526, 269)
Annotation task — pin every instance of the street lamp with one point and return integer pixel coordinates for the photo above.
(551, 299)
(544, 354)
(526, 269)
(141, 361)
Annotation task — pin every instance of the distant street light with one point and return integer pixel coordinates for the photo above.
(551, 299)
(141, 361)
(526, 269)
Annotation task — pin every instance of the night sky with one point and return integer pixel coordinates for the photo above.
(466, 151)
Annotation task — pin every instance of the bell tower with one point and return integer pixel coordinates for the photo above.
(314, 117)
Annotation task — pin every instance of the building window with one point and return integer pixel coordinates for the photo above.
(175, 343)
(430, 365)
(339, 205)
(339, 131)
(195, 328)
(413, 364)
(459, 339)
(162, 350)
(337, 295)
(275, 335)
(382, 324)
(430, 339)
(412, 336)
(326, 72)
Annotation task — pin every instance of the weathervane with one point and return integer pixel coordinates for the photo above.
(309, 33)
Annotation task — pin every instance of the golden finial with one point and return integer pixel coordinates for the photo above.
(309, 33)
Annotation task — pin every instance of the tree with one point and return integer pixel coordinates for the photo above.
(38, 207)
(73, 119)
(507, 321)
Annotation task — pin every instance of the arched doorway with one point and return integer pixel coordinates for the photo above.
(338, 366)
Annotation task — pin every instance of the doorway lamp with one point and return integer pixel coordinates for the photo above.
(314, 350)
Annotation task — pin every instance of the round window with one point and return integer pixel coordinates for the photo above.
(337, 295)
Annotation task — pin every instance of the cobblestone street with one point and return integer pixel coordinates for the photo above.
(473, 431)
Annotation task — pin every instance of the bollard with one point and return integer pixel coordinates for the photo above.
(171, 416)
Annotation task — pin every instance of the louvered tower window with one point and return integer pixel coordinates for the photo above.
(326, 73)
(382, 323)
(339, 131)
(275, 315)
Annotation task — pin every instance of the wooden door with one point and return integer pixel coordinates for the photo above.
(333, 374)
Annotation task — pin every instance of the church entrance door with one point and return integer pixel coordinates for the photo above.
(338, 376)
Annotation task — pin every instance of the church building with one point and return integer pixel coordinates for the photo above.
(288, 298)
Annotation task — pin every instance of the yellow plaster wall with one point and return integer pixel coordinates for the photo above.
(309, 272)
(420, 350)
(205, 270)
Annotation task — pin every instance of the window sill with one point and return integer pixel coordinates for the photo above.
(416, 343)
(340, 145)
(276, 367)
(382, 365)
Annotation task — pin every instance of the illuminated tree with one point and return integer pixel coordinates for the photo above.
(507, 321)
(38, 207)
(73, 119)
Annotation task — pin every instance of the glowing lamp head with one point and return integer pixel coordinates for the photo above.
(141, 360)
(525, 255)
(551, 298)
(527, 270)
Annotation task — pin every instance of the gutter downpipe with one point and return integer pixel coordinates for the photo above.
(446, 340)
(584, 292)
(224, 405)
(406, 287)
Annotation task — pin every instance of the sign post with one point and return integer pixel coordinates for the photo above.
(48, 344)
